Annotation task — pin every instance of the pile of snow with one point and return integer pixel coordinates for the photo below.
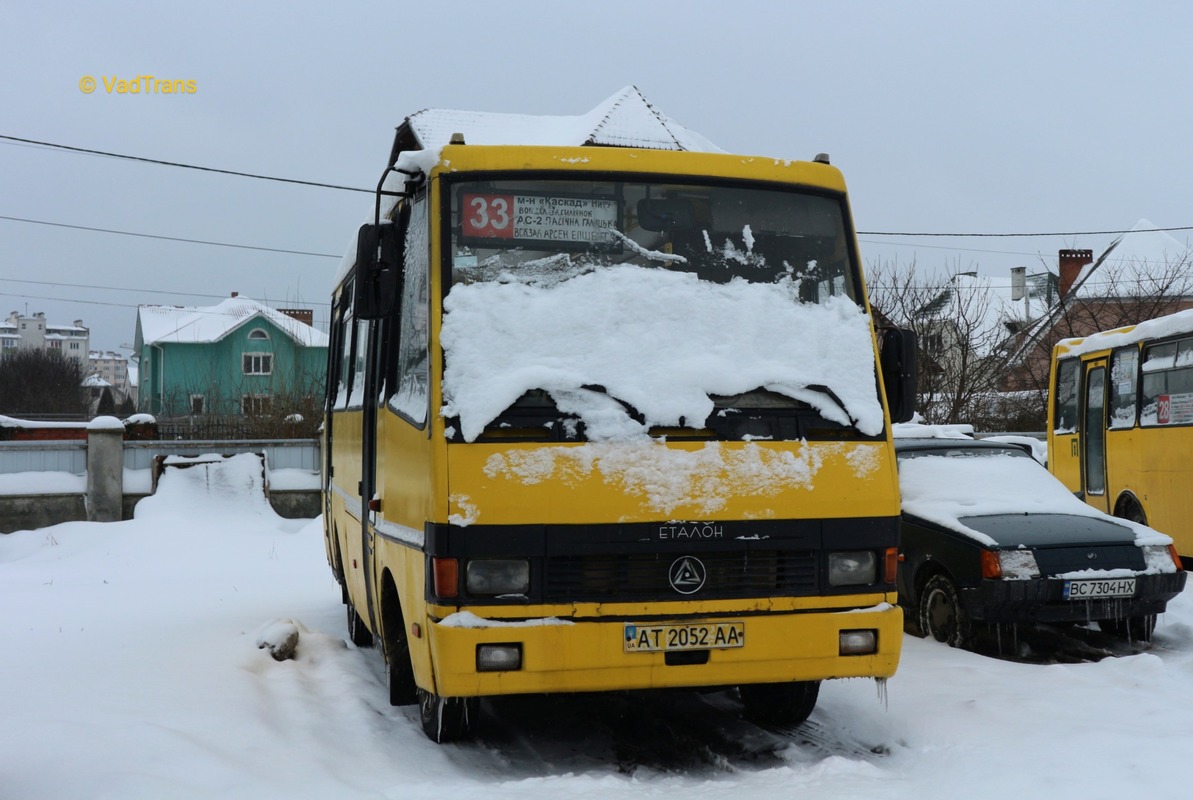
(132, 660)
(661, 341)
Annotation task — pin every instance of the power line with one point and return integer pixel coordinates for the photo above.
(170, 238)
(922, 234)
(126, 289)
(89, 151)
(1014, 235)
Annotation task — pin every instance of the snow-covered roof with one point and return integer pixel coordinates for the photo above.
(188, 324)
(1170, 325)
(1135, 263)
(626, 119)
(94, 382)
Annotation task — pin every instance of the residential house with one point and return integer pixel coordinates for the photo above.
(238, 357)
(1143, 274)
(114, 370)
(20, 331)
(962, 329)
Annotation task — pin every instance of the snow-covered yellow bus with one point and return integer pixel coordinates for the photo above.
(608, 418)
(1120, 426)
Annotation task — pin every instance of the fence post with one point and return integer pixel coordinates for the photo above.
(105, 469)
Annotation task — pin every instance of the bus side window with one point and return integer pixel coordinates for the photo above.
(1158, 363)
(343, 355)
(1124, 395)
(411, 398)
(1065, 411)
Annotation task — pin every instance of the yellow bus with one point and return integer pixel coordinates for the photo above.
(611, 418)
(1120, 425)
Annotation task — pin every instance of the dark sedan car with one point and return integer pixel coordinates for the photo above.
(990, 537)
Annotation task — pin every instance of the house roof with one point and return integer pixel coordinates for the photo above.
(626, 119)
(1136, 263)
(189, 324)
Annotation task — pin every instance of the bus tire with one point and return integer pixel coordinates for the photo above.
(779, 703)
(445, 719)
(358, 632)
(941, 614)
(1129, 509)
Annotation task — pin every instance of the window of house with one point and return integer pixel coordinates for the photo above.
(933, 343)
(196, 404)
(258, 363)
(54, 344)
(258, 333)
(74, 345)
(254, 405)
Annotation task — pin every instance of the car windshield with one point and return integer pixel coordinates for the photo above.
(946, 451)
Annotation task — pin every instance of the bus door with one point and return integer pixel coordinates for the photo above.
(1093, 434)
(368, 462)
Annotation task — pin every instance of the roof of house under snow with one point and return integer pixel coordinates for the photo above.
(1138, 262)
(190, 324)
(626, 119)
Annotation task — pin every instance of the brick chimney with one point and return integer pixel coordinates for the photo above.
(1071, 263)
(303, 315)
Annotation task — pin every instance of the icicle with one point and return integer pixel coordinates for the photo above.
(882, 693)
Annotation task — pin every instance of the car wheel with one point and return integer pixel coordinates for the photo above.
(941, 614)
(445, 719)
(779, 703)
(1133, 629)
(358, 632)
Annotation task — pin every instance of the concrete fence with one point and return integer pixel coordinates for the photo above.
(101, 478)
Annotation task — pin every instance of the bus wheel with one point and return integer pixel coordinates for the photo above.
(1135, 514)
(358, 632)
(1133, 629)
(399, 672)
(779, 703)
(941, 615)
(445, 719)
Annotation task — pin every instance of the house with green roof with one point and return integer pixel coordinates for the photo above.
(239, 357)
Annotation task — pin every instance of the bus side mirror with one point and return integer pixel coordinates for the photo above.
(898, 362)
(378, 270)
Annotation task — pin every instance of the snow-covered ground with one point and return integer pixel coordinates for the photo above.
(130, 668)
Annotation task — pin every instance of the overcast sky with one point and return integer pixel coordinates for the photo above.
(944, 117)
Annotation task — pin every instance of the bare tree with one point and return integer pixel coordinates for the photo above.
(981, 363)
(962, 336)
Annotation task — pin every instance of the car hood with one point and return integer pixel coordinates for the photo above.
(1049, 530)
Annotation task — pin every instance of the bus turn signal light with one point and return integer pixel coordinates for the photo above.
(446, 575)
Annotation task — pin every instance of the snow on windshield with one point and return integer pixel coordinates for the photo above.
(660, 341)
(945, 489)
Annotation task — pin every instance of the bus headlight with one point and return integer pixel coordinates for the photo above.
(852, 568)
(497, 576)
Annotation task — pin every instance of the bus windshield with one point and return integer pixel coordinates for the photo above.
(605, 309)
(544, 231)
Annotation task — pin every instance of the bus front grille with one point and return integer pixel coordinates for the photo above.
(647, 576)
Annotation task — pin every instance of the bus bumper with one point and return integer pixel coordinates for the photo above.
(558, 655)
